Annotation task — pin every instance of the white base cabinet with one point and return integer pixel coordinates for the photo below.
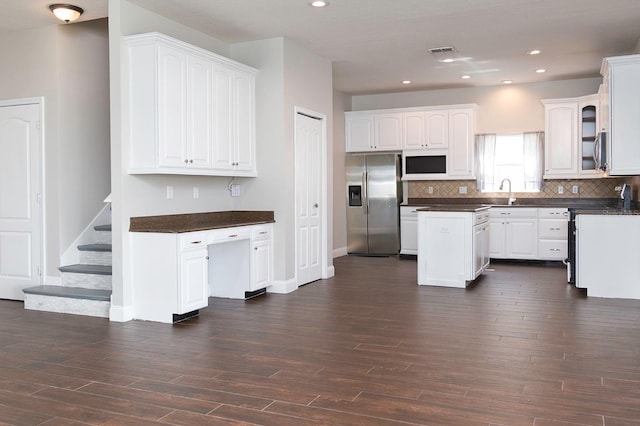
(451, 248)
(175, 274)
(408, 230)
(189, 111)
(553, 235)
(607, 255)
(514, 233)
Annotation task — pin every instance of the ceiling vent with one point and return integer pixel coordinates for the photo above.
(442, 50)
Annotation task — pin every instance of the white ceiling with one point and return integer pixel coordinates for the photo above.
(375, 44)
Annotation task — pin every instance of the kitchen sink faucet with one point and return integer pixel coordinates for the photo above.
(511, 198)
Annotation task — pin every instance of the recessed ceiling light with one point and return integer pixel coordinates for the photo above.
(541, 70)
(406, 81)
(534, 52)
(319, 3)
(466, 77)
(447, 60)
(507, 81)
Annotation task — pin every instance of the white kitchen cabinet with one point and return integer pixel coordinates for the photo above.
(175, 274)
(552, 233)
(607, 255)
(561, 139)
(513, 233)
(425, 129)
(481, 237)
(262, 257)
(571, 127)
(408, 230)
(193, 280)
(460, 158)
(451, 248)
(190, 111)
(368, 131)
(621, 91)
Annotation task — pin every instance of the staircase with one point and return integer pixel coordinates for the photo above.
(86, 286)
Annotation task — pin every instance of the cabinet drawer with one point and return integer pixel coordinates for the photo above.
(513, 212)
(409, 211)
(553, 229)
(229, 234)
(193, 240)
(553, 213)
(552, 249)
(261, 232)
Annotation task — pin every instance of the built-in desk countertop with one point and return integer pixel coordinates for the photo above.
(179, 223)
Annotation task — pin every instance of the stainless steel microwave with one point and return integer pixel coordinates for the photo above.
(424, 163)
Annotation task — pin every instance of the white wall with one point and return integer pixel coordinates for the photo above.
(341, 103)
(67, 65)
(84, 171)
(503, 109)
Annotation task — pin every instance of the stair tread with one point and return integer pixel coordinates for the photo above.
(87, 269)
(95, 247)
(70, 292)
(102, 227)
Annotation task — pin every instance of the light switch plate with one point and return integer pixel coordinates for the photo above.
(560, 189)
(462, 189)
(169, 192)
(575, 189)
(430, 190)
(235, 190)
(196, 192)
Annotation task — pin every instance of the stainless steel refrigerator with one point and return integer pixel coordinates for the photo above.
(374, 194)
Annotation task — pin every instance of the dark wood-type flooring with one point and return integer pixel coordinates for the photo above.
(368, 347)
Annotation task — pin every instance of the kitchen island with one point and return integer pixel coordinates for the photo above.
(608, 260)
(453, 244)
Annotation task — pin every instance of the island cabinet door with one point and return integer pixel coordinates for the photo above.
(193, 289)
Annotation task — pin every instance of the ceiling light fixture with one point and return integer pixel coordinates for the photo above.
(507, 81)
(406, 81)
(534, 52)
(66, 12)
(319, 3)
(466, 77)
(541, 70)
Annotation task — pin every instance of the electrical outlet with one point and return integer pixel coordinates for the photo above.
(169, 192)
(196, 192)
(560, 189)
(462, 189)
(430, 190)
(235, 190)
(575, 189)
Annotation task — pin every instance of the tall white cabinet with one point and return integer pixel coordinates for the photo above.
(189, 111)
(620, 94)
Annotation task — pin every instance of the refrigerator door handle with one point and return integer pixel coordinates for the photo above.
(365, 195)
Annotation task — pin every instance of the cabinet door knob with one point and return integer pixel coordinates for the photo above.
(186, 161)
(255, 248)
(191, 161)
(207, 257)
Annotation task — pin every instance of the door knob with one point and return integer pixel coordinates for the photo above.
(316, 205)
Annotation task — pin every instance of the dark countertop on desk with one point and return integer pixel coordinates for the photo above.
(178, 223)
(610, 212)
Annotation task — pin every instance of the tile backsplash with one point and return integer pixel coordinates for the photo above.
(587, 188)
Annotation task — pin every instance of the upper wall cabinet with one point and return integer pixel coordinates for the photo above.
(190, 111)
(570, 133)
(373, 131)
(620, 94)
(425, 129)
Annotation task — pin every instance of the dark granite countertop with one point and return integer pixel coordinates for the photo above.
(610, 212)
(178, 223)
(605, 203)
(455, 208)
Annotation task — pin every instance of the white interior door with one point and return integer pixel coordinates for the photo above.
(308, 152)
(20, 199)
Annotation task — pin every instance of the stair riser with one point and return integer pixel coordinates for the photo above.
(95, 281)
(95, 258)
(65, 305)
(103, 237)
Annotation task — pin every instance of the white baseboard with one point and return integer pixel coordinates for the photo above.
(339, 252)
(121, 313)
(283, 287)
(331, 271)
